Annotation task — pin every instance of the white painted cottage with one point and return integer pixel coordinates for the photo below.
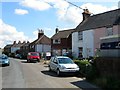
(42, 44)
(86, 40)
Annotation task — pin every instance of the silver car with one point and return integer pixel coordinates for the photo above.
(4, 60)
(62, 64)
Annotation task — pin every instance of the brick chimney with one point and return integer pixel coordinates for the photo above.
(24, 42)
(28, 42)
(86, 14)
(19, 42)
(40, 33)
(14, 42)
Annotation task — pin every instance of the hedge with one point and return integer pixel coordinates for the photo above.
(87, 69)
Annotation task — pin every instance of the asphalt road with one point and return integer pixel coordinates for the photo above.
(21, 74)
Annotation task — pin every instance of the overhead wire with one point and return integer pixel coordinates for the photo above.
(74, 4)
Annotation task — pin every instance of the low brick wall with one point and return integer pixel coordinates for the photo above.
(108, 66)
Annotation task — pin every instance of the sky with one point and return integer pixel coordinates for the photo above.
(21, 19)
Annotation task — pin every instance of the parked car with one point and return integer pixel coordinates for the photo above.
(33, 56)
(62, 64)
(4, 60)
(18, 56)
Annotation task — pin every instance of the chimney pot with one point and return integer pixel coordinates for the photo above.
(40, 33)
(24, 42)
(86, 14)
(19, 42)
(28, 42)
(14, 42)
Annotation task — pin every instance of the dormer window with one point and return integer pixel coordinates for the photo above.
(56, 41)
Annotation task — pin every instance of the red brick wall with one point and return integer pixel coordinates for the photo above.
(65, 43)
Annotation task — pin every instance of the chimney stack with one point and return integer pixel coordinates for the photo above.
(28, 42)
(86, 14)
(19, 42)
(40, 33)
(24, 42)
(56, 30)
(14, 42)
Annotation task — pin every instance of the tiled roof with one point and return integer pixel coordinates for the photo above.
(26, 44)
(63, 34)
(8, 46)
(42, 40)
(18, 45)
(106, 19)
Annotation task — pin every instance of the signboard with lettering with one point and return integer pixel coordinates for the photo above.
(110, 45)
(48, 54)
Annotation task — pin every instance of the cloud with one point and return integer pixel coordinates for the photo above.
(97, 8)
(72, 14)
(64, 10)
(21, 11)
(47, 31)
(35, 33)
(8, 34)
(35, 4)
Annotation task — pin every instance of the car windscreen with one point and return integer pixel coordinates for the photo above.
(35, 54)
(3, 57)
(0, 57)
(65, 61)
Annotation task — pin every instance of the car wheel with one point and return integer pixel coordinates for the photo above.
(28, 60)
(8, 64)
(49, 68)
(58, 72)
(38, 60)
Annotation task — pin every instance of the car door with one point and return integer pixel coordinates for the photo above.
(52, 63)
(55, 64)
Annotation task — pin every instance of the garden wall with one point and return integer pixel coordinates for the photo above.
(108, 66)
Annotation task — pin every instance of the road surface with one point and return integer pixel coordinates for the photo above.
(21, 74)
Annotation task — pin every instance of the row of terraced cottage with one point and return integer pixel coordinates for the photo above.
(96, 34)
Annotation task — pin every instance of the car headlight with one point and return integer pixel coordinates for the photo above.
(6, 61)
(62, 67)
(77, 67)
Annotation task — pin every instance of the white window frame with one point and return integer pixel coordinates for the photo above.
(80, 35)
(56, 41)
(109, 31)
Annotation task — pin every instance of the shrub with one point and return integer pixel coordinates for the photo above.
(83, 65)
(87, 69)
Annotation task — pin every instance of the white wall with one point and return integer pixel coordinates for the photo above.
(119, 4)
(88, 43)
(76, 44)
(43, 48)
(0, 51)
(13, 49)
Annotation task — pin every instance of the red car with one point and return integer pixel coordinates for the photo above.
(33, 56)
